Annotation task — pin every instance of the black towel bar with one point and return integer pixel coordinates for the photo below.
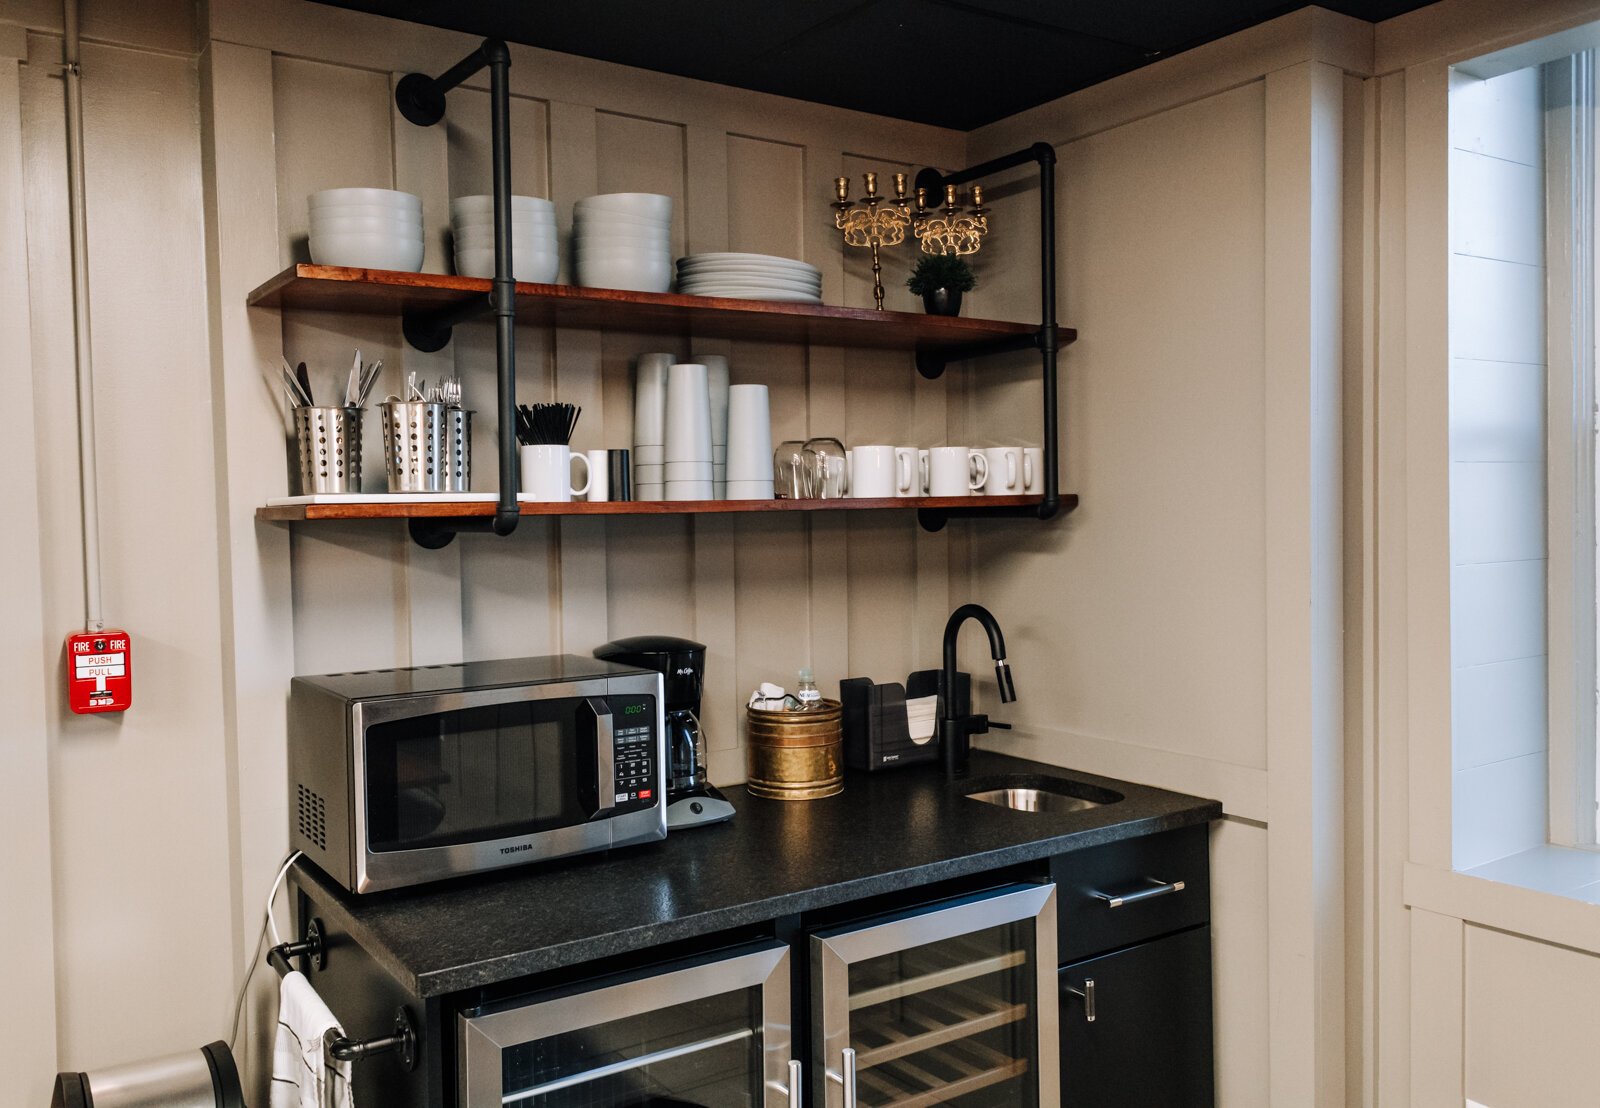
(402, 1041)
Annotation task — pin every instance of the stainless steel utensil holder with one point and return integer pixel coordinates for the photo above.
(456, 448)
(413, 441)
(330, 449)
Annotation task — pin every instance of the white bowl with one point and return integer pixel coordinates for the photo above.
(586, 236)
(486, 222)
(367, 252)
(651, 204)
(539, 269)
(476, 241)
(594, 217)
(623, 258)
(476, 205)
(629, 276)
(390, 197)
(367, 225)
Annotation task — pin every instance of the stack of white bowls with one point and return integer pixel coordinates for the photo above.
(750, 277)
(650, 425)
(623, 240)
(366, 229)
(717, 381)
(688, 446)
(534, 254)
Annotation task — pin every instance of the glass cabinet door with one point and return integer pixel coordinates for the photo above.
(709, 1035)
(952, 1004)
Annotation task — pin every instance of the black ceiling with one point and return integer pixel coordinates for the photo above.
(954, 63)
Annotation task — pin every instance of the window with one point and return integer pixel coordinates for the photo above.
(1522, 454)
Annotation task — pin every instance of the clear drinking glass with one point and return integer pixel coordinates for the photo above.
(826, 465)
(790, 480)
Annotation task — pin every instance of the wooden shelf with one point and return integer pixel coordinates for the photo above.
(457, 509)
(387, 292)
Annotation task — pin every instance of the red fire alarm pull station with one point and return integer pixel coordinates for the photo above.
(99, 672)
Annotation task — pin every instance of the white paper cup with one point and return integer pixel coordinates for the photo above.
(650, 404)
(547, 473)
(749, 490)
(688, 437)
(956, 471)
(1033, 471)
(872, 472)
(599, 476)
(689, 490)
(1005, 471)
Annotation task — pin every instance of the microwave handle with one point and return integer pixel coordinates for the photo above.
(605, 749)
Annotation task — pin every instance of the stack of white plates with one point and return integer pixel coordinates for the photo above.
(623, 240)
(534, 255)
(366, 229)
(749, 277)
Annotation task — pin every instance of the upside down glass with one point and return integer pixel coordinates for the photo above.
(827, 467)
(789, 472)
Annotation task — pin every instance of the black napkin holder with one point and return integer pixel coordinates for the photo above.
(875, 732)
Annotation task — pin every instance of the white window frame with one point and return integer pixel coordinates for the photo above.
(1571, 215)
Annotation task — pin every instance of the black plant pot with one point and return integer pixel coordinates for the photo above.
(942, 302)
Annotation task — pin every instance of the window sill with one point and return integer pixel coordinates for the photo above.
(1551, 893)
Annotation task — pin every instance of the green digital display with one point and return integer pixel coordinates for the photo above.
(633, 709)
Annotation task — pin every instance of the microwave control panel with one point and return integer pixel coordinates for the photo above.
(635, 751)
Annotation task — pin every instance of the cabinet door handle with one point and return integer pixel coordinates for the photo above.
(847, 1063)
(1086, 994)
(794, 1083)
(1152, 890)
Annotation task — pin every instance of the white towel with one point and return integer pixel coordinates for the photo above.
(303, 1076)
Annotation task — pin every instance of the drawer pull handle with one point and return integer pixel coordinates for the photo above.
(1151, 891)
(1086, 994)
(794, 1083)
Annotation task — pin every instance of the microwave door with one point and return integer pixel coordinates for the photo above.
(599, 745)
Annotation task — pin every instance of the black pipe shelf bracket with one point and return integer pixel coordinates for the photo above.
(931, 362)
(401, 1041)
(421, 99)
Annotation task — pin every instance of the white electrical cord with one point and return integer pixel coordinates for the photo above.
(268, 924)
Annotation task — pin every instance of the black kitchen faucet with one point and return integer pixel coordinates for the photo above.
(956, 731)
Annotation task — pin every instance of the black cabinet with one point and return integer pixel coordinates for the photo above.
(1136, 1025)
(1135, 979)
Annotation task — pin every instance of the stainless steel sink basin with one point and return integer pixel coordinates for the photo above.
(1038, 793)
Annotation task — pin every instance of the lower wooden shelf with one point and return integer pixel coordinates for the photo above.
(457, 509)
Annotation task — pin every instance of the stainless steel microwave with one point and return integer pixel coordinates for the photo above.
(402, 776)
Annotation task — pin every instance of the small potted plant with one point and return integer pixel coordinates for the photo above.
(940, 279)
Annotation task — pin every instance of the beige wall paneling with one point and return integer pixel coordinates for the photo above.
(1239, 945)
(114, 894)
(1438, 1014)
(28, 652)
(1511, 1060)
(163, 26)
(1305, 866)
(1388, 428)
(257, 641)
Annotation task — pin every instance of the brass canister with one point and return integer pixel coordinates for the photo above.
(795, 755)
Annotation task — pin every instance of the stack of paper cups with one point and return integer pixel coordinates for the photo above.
(717, 382)
(688, 446)
(650, 425)
(749, 443)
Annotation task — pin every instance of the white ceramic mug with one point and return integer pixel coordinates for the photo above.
(1032, 470)
(547, 473)
(1005, 471)
(956, 471)
(872, 472)
(599, 476)
(907, 471)
(923, 466)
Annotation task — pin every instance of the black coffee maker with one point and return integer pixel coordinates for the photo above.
(691, 798)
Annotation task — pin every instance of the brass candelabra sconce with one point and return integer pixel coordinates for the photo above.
(876, 222)
(952, 229)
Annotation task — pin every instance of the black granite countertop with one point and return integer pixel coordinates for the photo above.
(885, 832)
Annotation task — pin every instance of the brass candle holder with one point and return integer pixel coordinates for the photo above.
(876, 222)
(953, 229)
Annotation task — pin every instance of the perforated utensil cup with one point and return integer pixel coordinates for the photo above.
(413, 445)
(456, 448)
(330, 449)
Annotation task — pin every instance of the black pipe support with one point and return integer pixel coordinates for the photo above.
(421, 99)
